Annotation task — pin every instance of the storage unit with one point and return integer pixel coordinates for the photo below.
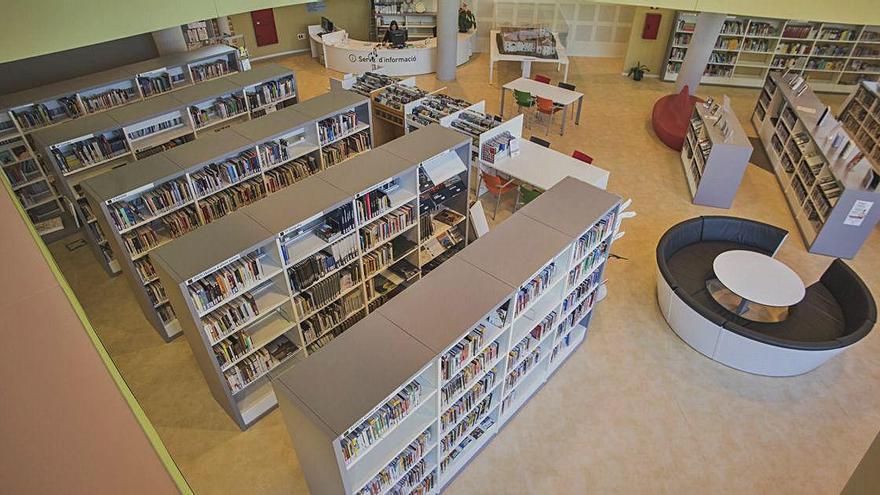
(144, 207)
(86, 147)
(829, 183)
(306, 264)
(836, 57)
(419, 25)
(412, 392)
(715, 155)
(861, 117)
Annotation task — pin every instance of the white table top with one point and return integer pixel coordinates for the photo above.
(759, 278)
(543, 167)
(558, 95)
(494, 54)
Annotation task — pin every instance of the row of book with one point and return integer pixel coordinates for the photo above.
(154, 85)
(324, 291)
(164, 197)
(232, 278)
(587, 264)
(409, 462)
(331, 316)
(230, 199)
(398, 95)
(486, 423)
(545, 324)
(535, 287)
(230, 317)
(218, 175)
(578, 313)
(231, 348)
(22, 172)
(209, 70)
(522, 369)
(455, 412)
(155, 128)
(497, 147)
(35, 116)
(156, 293)
(332, 128)
(338, 330)
(290, 173)
(222, 108)
(107, 99)
(467, 374)
(461, 352)
(371, 81)
(589, 284)
(181, 221)
(166, 313)
(378, 259)
(271, 91)
(387, 226)
(145, 270)
(521, 349)
(307, 271)
(346, 148)
(474, 417)
(141, 240)
(592, 236)
(275, 152)
(259, 363)
(90, 151)
(354, 441)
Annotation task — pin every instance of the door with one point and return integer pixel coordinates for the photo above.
(264, 27)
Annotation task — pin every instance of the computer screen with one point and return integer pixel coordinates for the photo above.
(326, 25)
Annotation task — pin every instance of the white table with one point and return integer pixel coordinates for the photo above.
(758, 278)
(496, 56)
(562, 96)
(543, 167)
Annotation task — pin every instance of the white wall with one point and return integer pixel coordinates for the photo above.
(586, 28)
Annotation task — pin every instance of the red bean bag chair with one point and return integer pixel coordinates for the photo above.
(670, 117)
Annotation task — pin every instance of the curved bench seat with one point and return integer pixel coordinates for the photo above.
(836, 312)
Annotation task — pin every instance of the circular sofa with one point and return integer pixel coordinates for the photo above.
(837, 311)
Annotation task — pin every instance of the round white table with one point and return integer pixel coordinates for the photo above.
(759, 279)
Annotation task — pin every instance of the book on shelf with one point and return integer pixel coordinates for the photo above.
(230, 279)
(218, 175)
(227, 318)
(346, 148)
(389, 225)
(270, 91)
(158, 127)
(209, 70)
(222, 108)
(154, 85)
(408, 467)
(258, 364)
(535, 287)
(89, 151)
(371, 81)
(336, 126)
(220, 204)
(359, 438)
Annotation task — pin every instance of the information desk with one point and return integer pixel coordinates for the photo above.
(340, 53)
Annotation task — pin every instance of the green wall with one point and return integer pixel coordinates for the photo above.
(648, 52)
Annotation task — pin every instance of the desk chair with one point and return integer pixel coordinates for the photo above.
(524, 100)
(525, 195)
(580, 155)
(541, 78)
(497, 187)
(547, 108)
(540, 141)
(570, 87)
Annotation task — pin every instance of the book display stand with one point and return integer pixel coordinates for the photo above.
(180, 190)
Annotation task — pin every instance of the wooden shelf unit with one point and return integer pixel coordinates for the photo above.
(749, 48)
(861, 118)
(286, 228)
(135, 132)
(419, 25)
(458, 338)
(261, 138)
(832, 197)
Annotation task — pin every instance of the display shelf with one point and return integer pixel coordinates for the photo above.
(454, 314)
(828, 181)
(297, 229)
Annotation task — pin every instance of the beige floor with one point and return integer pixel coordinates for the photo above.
(635, 410)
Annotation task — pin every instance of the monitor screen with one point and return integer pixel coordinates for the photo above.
(326, 25)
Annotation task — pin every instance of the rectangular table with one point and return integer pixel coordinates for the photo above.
(543, 167)
(496, 56)
(564, 97)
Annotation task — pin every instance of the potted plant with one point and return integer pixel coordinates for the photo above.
(636, 72)
(466, 19)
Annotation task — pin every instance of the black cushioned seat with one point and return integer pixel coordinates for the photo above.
(759, 236)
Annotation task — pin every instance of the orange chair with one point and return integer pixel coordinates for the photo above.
(547, 108)
(580, 155)
(541, 78)
(497, 187)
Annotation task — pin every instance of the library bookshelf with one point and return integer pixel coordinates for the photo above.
(174, 192)
(715, 155)
(307, 263)
(91, 145)
(835, 57)
(26, 111)
(830, 184)
(861, 117)
(368, 82)
(419, 25)
(411, 393)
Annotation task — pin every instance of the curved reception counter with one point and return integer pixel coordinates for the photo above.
(340, 53)
(836, 311)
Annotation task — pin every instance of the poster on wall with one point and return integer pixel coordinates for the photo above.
(858, 213)
(316, 6)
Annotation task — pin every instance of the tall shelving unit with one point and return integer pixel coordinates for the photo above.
(413, 392)
(326, 257)
(89, 146)
(142, 206)
(829, 183)
(861, 117)
(419, 25)
(835, 57)
(27, 111)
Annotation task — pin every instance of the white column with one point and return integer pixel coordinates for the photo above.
(223, 24)
(169, 40)
(700, 48)
(447, 38)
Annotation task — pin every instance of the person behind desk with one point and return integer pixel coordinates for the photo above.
(392, 27)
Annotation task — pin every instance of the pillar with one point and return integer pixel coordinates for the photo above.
(169, 40)
(700, 48)
(224, 25)
(447, 39)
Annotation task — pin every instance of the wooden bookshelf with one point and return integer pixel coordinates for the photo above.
(861, 118)
(136, 131)
(830, 184)
(460, 348)
(284, 148)
(715, 155)
(835, 57)
(320, 270)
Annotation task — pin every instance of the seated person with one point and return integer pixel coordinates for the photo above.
(392, 27)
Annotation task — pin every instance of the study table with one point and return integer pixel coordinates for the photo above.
(543, 168)
(757, 279)
(495, 55)
(562, 96)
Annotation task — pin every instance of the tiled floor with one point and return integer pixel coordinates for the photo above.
(635, 410)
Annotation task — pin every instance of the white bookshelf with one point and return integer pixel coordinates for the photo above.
(861, 118)
(458, 335)
(137, 131)
(835, 57)
(281, 148)
(318, 276)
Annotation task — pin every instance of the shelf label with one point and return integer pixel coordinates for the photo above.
(296, 228)
(213, 269)
(75, 140)
(152, 72)
(139, 190)
(858, 213)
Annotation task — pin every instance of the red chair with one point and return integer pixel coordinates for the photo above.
(580, 155)
(547, 108)
(497, 187)
(541, 78)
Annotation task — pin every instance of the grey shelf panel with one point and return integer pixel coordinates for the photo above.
(295, 204)
(437, 309)
(153, 169)
(517, 248)
(317, 107)
(366, 170)
(90, 124)
(570, 210)
(259, 74)
(339, 388)
(274, 124)
(208, 148)
(203, 91)
(421, 146)
(199, 250)
(183, 58)
(152, 107)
